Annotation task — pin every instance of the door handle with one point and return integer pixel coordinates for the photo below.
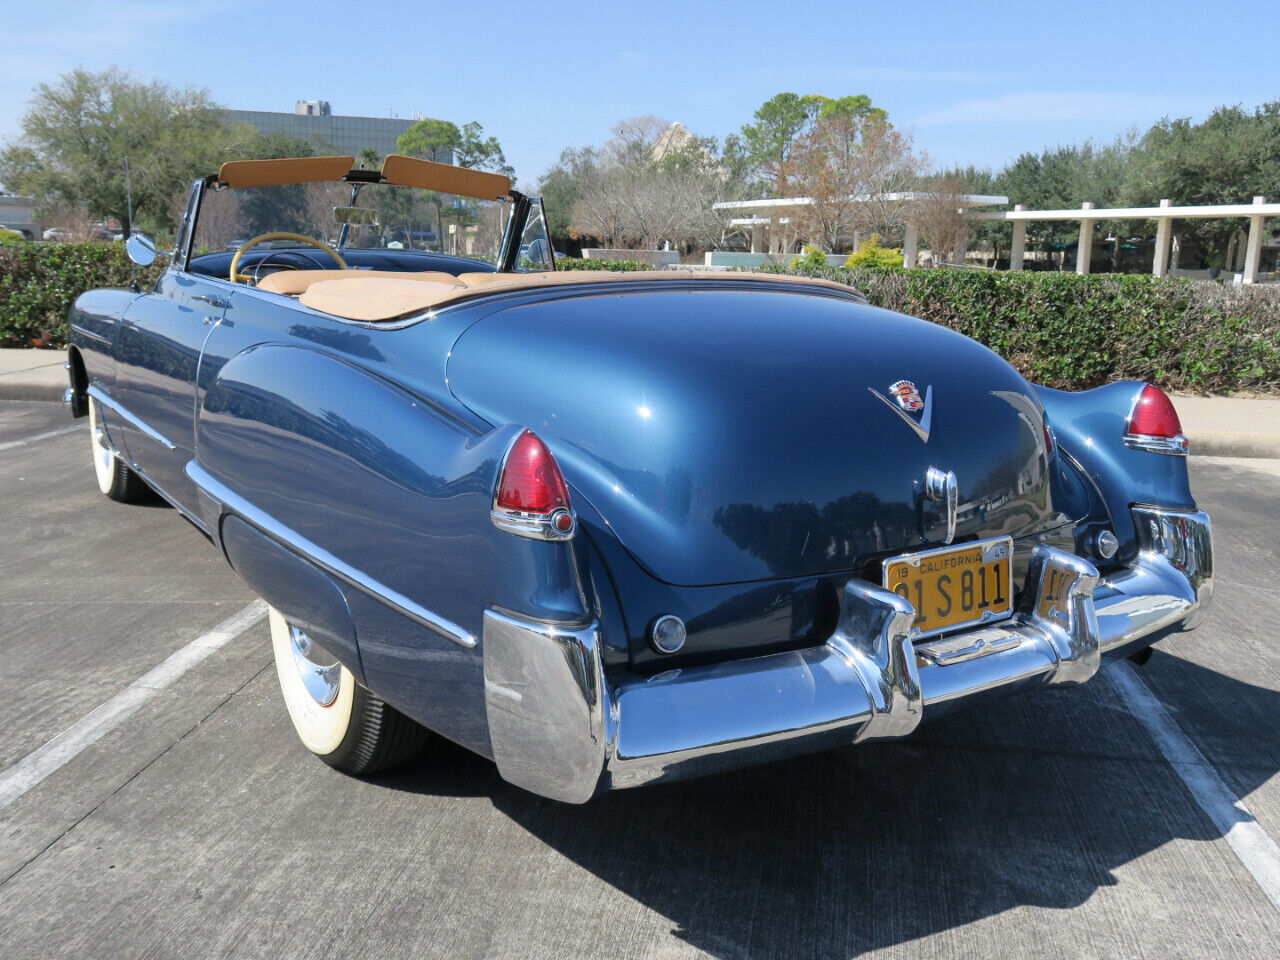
(216, 302)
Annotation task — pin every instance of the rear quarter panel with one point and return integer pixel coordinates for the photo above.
(338, 461)
(1090, 426)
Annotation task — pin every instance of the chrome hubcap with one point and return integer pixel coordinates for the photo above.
(318, 670)
(100, 448)
(102, 455)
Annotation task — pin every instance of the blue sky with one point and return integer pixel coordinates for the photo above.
(974, 83)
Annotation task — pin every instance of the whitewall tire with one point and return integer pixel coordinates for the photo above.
(115, 479)
(337, 719)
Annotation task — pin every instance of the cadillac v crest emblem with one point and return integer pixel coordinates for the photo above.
(908, 397)
(906, 403)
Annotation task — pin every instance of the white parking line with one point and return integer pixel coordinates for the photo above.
(10, 444)
(63, 748)
(1255, 848)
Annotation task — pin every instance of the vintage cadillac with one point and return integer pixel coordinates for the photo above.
(613, 528)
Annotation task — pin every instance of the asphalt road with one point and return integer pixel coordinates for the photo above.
(1052, 825)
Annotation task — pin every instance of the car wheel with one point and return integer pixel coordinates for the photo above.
(115, 479)
(337, 719)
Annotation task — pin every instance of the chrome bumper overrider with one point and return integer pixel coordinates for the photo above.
(560, 728)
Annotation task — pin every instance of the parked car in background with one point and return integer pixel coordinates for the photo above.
(96, 232)
(614, 528)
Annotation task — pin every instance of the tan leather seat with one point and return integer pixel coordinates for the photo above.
(293, 282)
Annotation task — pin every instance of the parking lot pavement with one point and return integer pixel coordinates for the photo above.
(1050, 825)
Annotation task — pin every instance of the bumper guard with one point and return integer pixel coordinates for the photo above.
(561, 729)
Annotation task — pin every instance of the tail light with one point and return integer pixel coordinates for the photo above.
(1153, 424)
(532, 498)
(1048, 439)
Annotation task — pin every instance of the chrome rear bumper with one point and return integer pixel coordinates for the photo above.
(559, 727)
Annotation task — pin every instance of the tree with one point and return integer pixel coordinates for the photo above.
(767, 144)
(446, 142)
(938, 212)
(280, 208)
(1064, 178)
(854, 168)
(652, 183)
(783, 121)
(431, 140)
(1231, 157)
(561, 186)
(80, 129)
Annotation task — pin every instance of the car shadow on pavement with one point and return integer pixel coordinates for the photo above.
(1033, 801)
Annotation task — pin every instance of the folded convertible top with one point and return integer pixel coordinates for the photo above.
(373, 298)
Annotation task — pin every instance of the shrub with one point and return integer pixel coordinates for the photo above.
(581, 263)
(1074, 332)
(811, 258)
(1058, 329)
(870, 255)
(40, 281)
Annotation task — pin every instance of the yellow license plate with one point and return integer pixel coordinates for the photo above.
(954, 587)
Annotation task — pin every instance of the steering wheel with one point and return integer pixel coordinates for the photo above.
(236, 277)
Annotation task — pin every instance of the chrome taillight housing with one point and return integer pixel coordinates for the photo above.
(1153, 424)
(532, 499)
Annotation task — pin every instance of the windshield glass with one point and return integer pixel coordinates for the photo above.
(402, 218)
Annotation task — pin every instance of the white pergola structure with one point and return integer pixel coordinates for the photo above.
(776, 205)
(1164, 215)
(1088, 215)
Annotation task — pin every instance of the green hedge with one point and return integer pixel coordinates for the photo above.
(580, 263)
(1073, 332)
(1061, 330)
(40, 281)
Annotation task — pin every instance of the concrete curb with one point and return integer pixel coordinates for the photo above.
(32, 374)
(1255, 445)
(31, 390)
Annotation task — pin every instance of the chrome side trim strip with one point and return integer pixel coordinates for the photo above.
(535, 526)
(90, 334)
(159, 491)
(230, 500)
(1170, 446)
(110, 402)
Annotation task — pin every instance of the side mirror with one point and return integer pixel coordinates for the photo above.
(141, 249)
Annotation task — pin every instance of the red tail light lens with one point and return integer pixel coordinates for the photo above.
(1153, 415)
(531, 481)
(533, 499)
(1154, 424)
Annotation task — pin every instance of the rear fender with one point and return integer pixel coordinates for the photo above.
(389, 496)
(1089, 427)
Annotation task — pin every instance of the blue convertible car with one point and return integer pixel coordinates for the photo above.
(609, 529)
